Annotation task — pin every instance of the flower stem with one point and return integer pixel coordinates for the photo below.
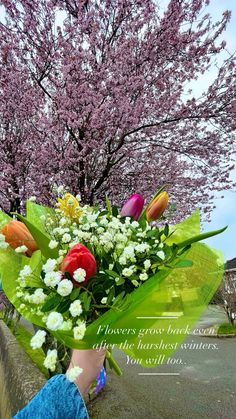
(113, 364)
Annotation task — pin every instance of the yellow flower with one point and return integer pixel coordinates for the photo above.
(70, 206)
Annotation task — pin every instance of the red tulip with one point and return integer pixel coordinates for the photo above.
(79, 256)
(133, 206)
(157, 207)
(17, 234)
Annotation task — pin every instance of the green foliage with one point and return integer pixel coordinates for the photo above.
(227, 329)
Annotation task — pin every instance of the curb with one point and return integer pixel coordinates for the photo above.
(20, 379)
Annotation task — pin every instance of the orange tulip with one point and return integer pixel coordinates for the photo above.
(17, 234)
(157, 207)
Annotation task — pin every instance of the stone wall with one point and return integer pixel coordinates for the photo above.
(20, 379)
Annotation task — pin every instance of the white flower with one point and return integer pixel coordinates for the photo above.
(2, 237)
(51, 359)
(63, 221)
(135, 283)
(104, 300)
(32, 198)
(79, 330)
(161, 254)
(52, 279)
(135, 224)
(147, 264)
(104, 221)
(66, 238)
(143, 247)
(54, 320)
(143, 276)
(129, 251)
(75, 308)
(73, 373)
(38, 339)
(161, 245)
(66, 325)
(38, 297)
(49, 266)
(65, 287)
(79, 275)
(122, 260)
(127, 272)
(26, 271)
(53, 244)
(3, 245)
(21, 249)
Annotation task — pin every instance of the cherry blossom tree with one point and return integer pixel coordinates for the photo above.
(97, 95)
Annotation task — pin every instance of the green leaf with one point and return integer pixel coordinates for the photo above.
(120, 281)
(118, 299)
(87, 303)
(184, 264)
(42, 239)
(115, 211)
(64, 306)
(110, 296)
(75, 294)
(166, 230)
(201, 237)
(108, 205)
(111, 273)
(51, 303)
(34, 212)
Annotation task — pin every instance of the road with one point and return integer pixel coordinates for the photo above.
(204, 388)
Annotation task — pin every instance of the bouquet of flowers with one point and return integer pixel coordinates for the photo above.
(92, 277)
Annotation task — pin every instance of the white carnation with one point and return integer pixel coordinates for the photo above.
(73, 373)
(147, 264)
(161, 254)
(54, 320)
(143, 276)
(38, 297)
(79, 275)
(38, 339)
(52, 279)
(21, 249)
(75, 308)
(66, 238)
(53, 244)
(65, 287)
(51, 359)
(104, 300)
(50, 265)
(26, 271)
(79, 330)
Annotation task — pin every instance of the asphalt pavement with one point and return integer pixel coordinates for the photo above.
(201, 385)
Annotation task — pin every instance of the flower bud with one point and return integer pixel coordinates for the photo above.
(157, 207)
(17, 234)
(133, 206)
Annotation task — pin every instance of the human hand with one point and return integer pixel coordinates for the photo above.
(91, 361)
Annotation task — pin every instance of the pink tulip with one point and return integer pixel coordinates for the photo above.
(133, 206)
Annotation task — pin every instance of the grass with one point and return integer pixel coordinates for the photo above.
(227, 329)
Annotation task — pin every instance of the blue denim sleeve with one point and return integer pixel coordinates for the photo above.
(57, 399)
